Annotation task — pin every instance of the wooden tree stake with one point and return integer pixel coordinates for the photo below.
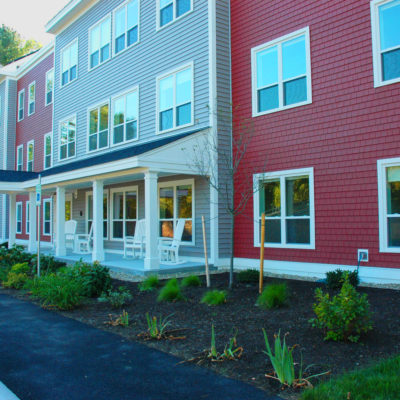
(260, 287)
(205, 250)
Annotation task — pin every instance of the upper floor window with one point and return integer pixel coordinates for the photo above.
(100, 42)
(125, 117)
(21, 104)
(20, 157)
(32, 98)
(49, 86)
(386, 41)
(67, 138)
(175, 99)
(29, 156)
(281, 73)
(98, 127)
(69, 63)
(47, 151)
(126, 26)
(169, 10)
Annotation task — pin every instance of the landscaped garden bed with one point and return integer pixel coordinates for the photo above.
(190, 325)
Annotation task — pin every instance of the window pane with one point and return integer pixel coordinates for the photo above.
(167, 229)
(391, 64)
(94, 119)
(184, 194)
(90, 207)
(166, 15)
(130, 199)
(72, 73)
(268, 99)
(272, 230)
(66, 59)
(131, 106)
(166, 93)
(298, 231)
(389, 24)
(182, 6)
(103, 139)
(166, 120)
(47, 211)
(132, 35)
(49, 97)
(65, 77)
(105, 32)
(184, 114)
(103, 117)
(119, 110)
(272, 199)
(294, 58)
(394, 232)
(93, 142)
(184, 86)
(71, 131)
(131, 130)
(187, 232)
(130, 228)
(71, 149)
(120, 22)
(393, 198)
(119, 134)
(295, 91)
(118, 229)
(297, 197)
(166, 203)
(118, 211)
(105, 53)
(132, 14)
(63, 152)
(94, 59)
(267, 67)
(74, 54)
(95, 39)
(120, 43)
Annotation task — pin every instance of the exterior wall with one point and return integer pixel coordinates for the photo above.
(158, 52)
(3, 124)
(347, 128)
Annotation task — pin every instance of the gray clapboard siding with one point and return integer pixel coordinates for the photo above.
(3, 115)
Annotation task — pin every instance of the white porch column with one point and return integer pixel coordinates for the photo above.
(61, 249)
(32, 223)
(151, 260)
(98, 238)
(12, 221)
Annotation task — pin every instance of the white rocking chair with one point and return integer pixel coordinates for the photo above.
(133, 243)
(83, 243)
(70, 232)
(169, 248)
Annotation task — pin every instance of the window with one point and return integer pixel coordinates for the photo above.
(175, 202)
(100, 42)
(170, 10)
(20, 157)
(49, 86)
(281, 73)
(68, 207)
(385, 17)
(27, 217)
(47, 217)
(287, 198)
(175, 99)
(124, 212)
(30, 155)
(126, 26)
(32, 98)
(125, 117)
(47, 151)
(19, 217)
(21, 104)
(69, 63)
(67, 138)
(98, 127)
(89, 214)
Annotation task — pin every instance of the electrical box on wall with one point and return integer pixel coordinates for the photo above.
(362, 255)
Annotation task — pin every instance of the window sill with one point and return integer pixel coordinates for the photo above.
(123, 51)
(304, 103)
(287, 246)
(390, 250)
(99, 65)
(158, 132)
(66, 159)
(97, 150)
(69, 83)
(122, 143)
(385, 83)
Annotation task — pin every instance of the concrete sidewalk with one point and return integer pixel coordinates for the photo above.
(44, 356)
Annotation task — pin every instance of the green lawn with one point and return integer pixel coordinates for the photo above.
(377, 382)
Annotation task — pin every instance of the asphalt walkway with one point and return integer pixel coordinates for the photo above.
(45, 356)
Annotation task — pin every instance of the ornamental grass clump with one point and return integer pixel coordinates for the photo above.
(335, 279)
(149, 284)
(170, 292)
(273, 296)
(117, 298)
(191, 281)
(214, 297)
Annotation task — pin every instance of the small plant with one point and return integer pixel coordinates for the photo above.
(156, 327)
(122, 320)
(248, 276)
(191, 281)
(231, 350)
(15, 280)
(273, 296)
(335, 279)
(149, 284)
(21, 268)
(214, 297)
(344, 317)
(118, 298)
(170, 292)
(48, 264)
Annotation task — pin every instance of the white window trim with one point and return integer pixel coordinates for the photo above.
(166, 75)
(45, 94)
(50, 134)
(382, 165)
(77, 62)
(92, 107)
(113, 54)
(304, 31)
(175, 184)
(19, 105)
(111, 118)
(258, 178)
(376, 45)
(59, 137)
(18, 204)
(107, 194)
(31, 142)
(109, 15)
(51, 217)
(27, 219)
(174, 18)
(21, 146)
(111, 209)
(34, 100)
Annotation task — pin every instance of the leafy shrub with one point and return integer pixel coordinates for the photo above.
(117, 298)
(48, 264)
(214, 297)
(335, 279)
(170, 292)
(150, 283)
(15, 280)
(191, 281)
(3, 273)
(21, 268)
(248, 276)
(15, 255)
(61, 291)
(345, 316)
(273, 296)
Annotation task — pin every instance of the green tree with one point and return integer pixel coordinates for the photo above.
(12, 46)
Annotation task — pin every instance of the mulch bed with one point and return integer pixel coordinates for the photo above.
(240, 312)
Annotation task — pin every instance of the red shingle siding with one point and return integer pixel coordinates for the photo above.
(347, 128)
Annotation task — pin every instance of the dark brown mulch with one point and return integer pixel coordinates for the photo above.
(241, 313)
